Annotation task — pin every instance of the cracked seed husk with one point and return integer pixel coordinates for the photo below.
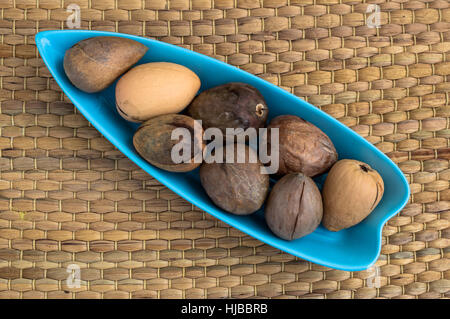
(294, 207)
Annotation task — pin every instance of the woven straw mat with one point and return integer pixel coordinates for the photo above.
(69, 197)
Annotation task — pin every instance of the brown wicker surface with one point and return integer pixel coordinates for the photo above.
(67, 196)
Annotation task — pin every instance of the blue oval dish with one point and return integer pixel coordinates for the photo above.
(352, 249)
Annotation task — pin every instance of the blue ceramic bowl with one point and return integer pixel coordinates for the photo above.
(352, 249)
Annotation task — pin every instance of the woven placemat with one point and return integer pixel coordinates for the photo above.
(69, 199)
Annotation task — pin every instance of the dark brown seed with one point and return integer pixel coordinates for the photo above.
(93, 64)
(232, 105)
(238, 188)
(303, 147)
(153, 141)
(294, 207)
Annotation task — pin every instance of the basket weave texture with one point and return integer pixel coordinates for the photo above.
(67, 196)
